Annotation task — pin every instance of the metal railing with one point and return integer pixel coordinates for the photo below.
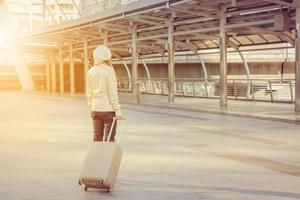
(272, 90)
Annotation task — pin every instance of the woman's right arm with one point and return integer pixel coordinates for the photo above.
(113, 91)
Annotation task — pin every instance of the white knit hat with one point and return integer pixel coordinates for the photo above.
(102, 53)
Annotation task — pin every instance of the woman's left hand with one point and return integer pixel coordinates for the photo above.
(119, 118)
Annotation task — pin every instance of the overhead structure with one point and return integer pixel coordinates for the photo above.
(160, 28)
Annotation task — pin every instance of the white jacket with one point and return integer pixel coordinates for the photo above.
(102, 90)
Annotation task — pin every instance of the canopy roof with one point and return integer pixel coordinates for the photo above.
(196, 22)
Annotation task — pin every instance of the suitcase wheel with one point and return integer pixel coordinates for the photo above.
(79, 182)
(86, 188)
(109, 190)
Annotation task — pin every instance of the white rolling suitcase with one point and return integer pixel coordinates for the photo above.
(102, 163)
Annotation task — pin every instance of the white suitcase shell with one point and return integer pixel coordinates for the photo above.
(101, 165)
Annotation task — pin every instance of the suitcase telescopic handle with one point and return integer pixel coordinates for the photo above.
(112, 127)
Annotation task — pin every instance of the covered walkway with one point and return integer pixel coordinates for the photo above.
(167, 154)
(167, 29)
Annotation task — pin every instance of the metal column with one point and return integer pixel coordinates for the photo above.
(61, 72)
(246, 66)
(171, 65)
(53, 74)
(134, 67)
(128, 74)
(72, 70)
(194, 49)
(146, 69)
(297, 70)
(223, 61)
(85, 59)
(203, 66)
(48, 87)
(247, 72)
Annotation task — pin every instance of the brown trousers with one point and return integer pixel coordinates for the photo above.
(102, 123)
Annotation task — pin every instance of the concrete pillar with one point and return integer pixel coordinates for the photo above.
(61, 72)
(53, 74)
(297, 61)
(48, 77)
(16, 56)
(85, 59)
(72, 70)
(223, 61)
(134, 68)
(171, 63)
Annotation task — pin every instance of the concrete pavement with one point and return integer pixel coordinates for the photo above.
(168, 154)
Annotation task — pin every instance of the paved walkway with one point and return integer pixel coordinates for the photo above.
(263, 110)
(168, 154)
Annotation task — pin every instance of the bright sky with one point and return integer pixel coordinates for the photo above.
(5, 24)
(3, 39)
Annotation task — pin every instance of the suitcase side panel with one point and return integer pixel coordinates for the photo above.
(114, 170)
(98, 162)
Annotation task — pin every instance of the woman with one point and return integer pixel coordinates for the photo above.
(102, 94)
